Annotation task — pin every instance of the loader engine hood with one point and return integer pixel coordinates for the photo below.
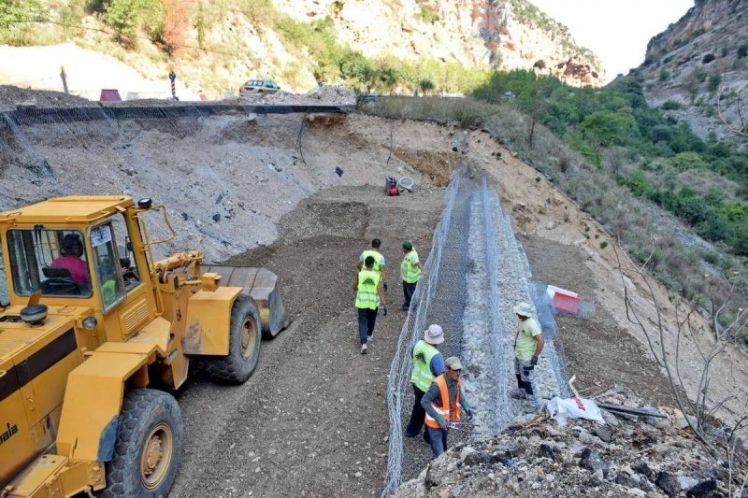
(44, 343)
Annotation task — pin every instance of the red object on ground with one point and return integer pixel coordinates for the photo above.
(110, 95)
(393, 190)
(566, 303)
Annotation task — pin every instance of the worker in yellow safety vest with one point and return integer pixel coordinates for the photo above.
(443, 403)
(369, 295)
(427, 364)
(378, 260)
(411, 272)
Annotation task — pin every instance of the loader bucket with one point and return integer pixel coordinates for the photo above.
(262, 286)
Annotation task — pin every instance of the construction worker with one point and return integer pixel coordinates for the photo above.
(443, 403)
(369, 295)
(411, 272)
(378, 259)
(427, 364)
(528, 344)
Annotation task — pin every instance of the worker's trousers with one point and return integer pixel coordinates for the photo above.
(523, 370)
(408, 291)
(438, 441)
(416, 415)
(366, 320)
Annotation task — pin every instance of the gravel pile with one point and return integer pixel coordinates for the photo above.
(536, 457)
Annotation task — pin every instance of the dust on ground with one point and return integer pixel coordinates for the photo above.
(312, 420)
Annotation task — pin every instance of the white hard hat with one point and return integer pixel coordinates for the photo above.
(523, 309)
(434, 334)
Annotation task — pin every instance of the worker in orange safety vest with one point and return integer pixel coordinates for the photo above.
(443, 404)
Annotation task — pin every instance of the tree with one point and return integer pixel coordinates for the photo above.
(696, 402)
(426, 86)
(738, 125)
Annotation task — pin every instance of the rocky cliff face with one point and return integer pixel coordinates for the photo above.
(500, 34)
(700, 57)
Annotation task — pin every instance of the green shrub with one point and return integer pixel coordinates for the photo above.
(664, 75)
(742, 51)
(425, 86)
(606, 128)
(671, 105)
(687, 160)
(714, 82)
(707, 58)
(16, 20)
(428, 15)
(127, 16)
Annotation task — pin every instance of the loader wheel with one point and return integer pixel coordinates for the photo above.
(244, 345)
(148, 447)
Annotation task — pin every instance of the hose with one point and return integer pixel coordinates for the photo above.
(406, 183)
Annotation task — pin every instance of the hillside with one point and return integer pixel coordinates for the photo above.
(220, 176)
(687, 65)
(383, 45)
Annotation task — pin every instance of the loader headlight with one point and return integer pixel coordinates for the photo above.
(90, 323)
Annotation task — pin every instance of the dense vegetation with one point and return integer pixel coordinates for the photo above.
(705, 183)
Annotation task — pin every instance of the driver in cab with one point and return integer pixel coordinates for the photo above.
(71, 250)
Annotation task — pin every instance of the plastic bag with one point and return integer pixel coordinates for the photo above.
(564, 409)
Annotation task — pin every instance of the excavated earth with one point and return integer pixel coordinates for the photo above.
(251, 190)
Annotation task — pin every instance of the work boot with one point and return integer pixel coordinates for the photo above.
(364, 349)
(532, 405)
(518, 394)
(369, 339)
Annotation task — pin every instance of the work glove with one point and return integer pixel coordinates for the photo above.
(384, 310)
(534, 361)
(442, 423)
(468, 414)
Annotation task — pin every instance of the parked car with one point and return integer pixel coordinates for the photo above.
(259, 86)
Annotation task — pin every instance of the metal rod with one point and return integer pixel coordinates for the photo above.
(632, 411)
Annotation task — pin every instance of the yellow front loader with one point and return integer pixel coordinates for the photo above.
(93, 323)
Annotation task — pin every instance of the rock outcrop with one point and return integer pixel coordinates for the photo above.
(699, 57)
(500, 34)
(627, 456)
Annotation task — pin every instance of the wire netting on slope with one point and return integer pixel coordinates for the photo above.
(400, 369)
(476, 272)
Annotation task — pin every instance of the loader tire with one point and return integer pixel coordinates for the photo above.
(244, 345)
(148, 448)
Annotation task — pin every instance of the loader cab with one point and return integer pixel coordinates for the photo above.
(89, 260)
